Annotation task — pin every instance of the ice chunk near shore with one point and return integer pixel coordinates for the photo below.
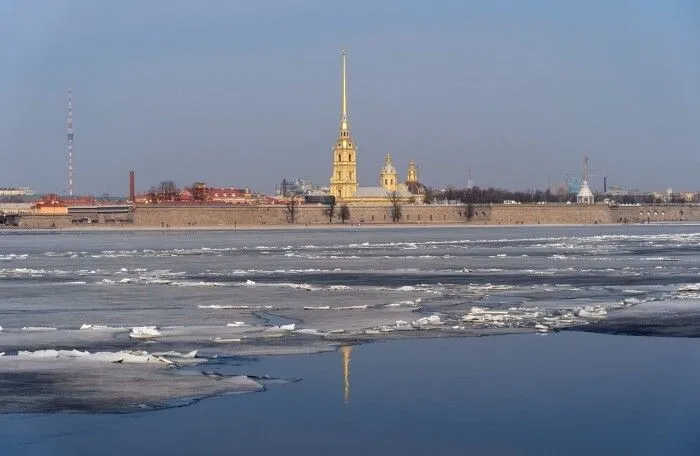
(38, 328)
(400, 325)
(308, 331)
(236, 324)
(690, 287)
(219, 339)
(125, 357)
(144, 332)
(541, 328)
(85, 326)
(431, 320)
(277, 330)
(592, 312)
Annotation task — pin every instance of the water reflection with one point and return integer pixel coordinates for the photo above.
(346, 350)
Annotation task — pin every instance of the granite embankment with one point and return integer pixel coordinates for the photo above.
(179, 216)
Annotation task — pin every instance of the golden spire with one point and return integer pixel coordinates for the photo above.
(346, 350)
(344, 104)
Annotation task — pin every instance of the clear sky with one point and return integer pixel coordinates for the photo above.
(244, 93)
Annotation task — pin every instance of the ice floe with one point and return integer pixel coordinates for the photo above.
(144, 332)
(593, 312)
(122, 356)
(431, 320)
(38, 328)
(85, 326)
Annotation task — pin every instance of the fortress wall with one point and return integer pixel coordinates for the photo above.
(550, 214)
(224, 216)
(202, 215)
(654, 213)
(45, 221)
(311, 214)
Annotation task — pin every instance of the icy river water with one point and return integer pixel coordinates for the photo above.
(98, 324)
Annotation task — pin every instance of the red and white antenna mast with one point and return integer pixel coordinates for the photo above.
(69, 140)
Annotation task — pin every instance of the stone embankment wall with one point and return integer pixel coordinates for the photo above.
(532, 214)
(178, 216)
(45, 221)
(311, 214)
(655, 213)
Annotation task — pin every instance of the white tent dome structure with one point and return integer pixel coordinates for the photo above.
(585, 195)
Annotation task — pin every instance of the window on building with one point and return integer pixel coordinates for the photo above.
(349, 157)
(386, 181)
(350, 174)
(339, 159)
(340, 177)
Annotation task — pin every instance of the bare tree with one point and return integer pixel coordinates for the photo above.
(329, 210)
(152, 195)
(395, 206)
(469, 211)
(168, 191)
(429, 197)
(344, 213)
(290, 209)
(199, 191)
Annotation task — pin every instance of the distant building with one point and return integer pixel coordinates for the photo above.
(296, 187)
(51, 204)
(17, 191)
(199, 191)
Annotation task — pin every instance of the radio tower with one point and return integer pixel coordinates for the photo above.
(69, 140)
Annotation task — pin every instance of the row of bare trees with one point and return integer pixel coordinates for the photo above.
(166, 191)
(477, 195)
(330, 210)
(342, 212)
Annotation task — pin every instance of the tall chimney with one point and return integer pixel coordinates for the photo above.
(605, 184)
(132, 190)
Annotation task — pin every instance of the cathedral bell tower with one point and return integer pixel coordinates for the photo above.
(343, 183)
(412, 173)
(388, 176)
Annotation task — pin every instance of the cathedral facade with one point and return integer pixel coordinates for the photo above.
(343, 182)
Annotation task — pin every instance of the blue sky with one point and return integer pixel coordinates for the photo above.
(245, 93)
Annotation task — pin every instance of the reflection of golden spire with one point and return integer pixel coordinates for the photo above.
(346, 350)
